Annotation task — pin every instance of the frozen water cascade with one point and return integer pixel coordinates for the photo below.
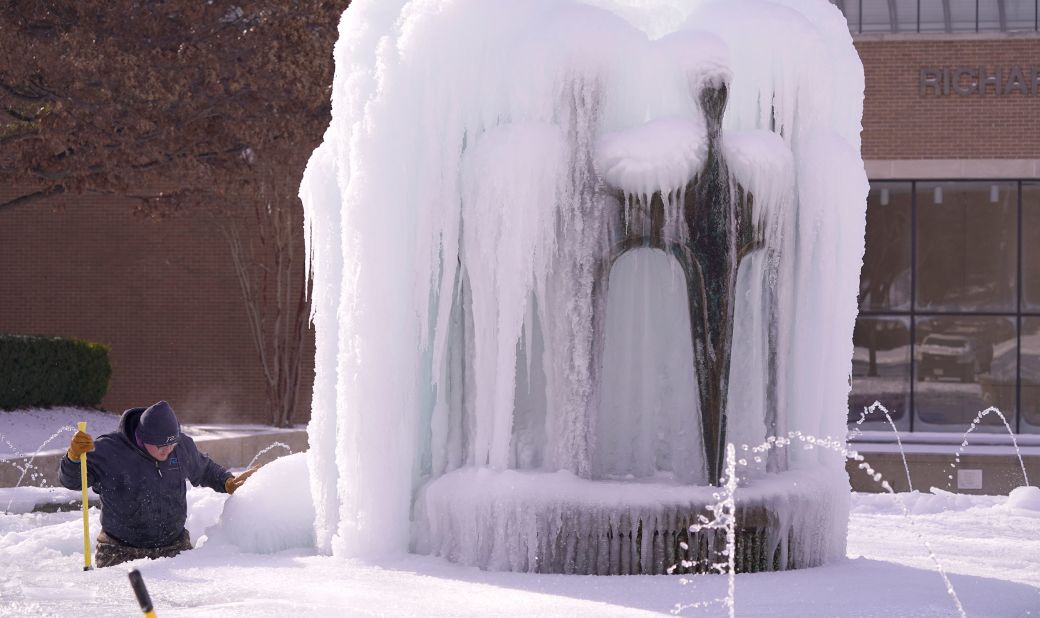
(645, 424)
(566, 251)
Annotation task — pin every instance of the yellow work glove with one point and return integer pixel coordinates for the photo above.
(234, 482)
(81, 443)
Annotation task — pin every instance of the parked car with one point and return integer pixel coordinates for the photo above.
(952, 356)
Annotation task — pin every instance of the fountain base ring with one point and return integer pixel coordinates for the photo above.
(555, 522)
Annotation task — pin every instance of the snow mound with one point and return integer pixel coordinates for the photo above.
(273, 511)
(917, 503)
(1026, 498)
(937, 501)
(17, 500)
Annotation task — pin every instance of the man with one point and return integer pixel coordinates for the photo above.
(139, 472)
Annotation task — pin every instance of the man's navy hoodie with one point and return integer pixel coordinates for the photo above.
(142, 500)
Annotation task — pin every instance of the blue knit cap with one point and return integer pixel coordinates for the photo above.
(159, 426)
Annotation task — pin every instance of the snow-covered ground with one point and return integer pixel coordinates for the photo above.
(990, 547)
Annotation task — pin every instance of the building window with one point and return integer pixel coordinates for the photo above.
(1031, 247)
(885, 278)
(950, 305)
(1030, 372)
(931, 16)
(963, 364)
(967, 236)
(881, 370)
(1029, 361)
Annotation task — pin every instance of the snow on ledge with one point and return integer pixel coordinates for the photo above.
(944, 443)
(939, 437)
(534, 487)
(762, 163)
(702, 54)
(661, 155)
(556, 522)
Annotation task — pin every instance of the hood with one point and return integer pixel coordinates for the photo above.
(128, 423)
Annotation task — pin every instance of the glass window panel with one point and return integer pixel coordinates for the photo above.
(1030, 375)
(885, 278)
(967, 245)
(948, 15)
(881, 371)
(990, 17)
(934, 16)
(876, 16)
(1021, 15)
(964, 364)
(906, 15)
(1031, 246)
(850, 8)
(962, 15)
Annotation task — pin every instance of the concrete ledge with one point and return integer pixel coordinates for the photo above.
(952, 169)
(237, 450)
(929, 37)
(229, 445)
(990, 474)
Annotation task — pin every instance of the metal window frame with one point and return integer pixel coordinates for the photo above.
(1018, 319)
(895, 27)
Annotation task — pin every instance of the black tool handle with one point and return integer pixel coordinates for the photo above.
(140, 591)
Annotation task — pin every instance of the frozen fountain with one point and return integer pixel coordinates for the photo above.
(564, 253)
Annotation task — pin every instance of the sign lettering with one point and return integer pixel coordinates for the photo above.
(979, 81)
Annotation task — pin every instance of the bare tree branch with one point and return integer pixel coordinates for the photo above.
(30, 198)
(23, 94)
(9, 140)
(18, 115)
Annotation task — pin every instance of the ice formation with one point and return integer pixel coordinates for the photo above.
(581, 240)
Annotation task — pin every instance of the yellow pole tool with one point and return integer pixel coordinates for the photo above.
(86, 517)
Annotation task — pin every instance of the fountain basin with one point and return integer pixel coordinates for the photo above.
(556, 522)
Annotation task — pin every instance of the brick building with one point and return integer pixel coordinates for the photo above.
(949, 319)
(163, 295)
(950, 290)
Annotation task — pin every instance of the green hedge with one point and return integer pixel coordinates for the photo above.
(41, 372)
